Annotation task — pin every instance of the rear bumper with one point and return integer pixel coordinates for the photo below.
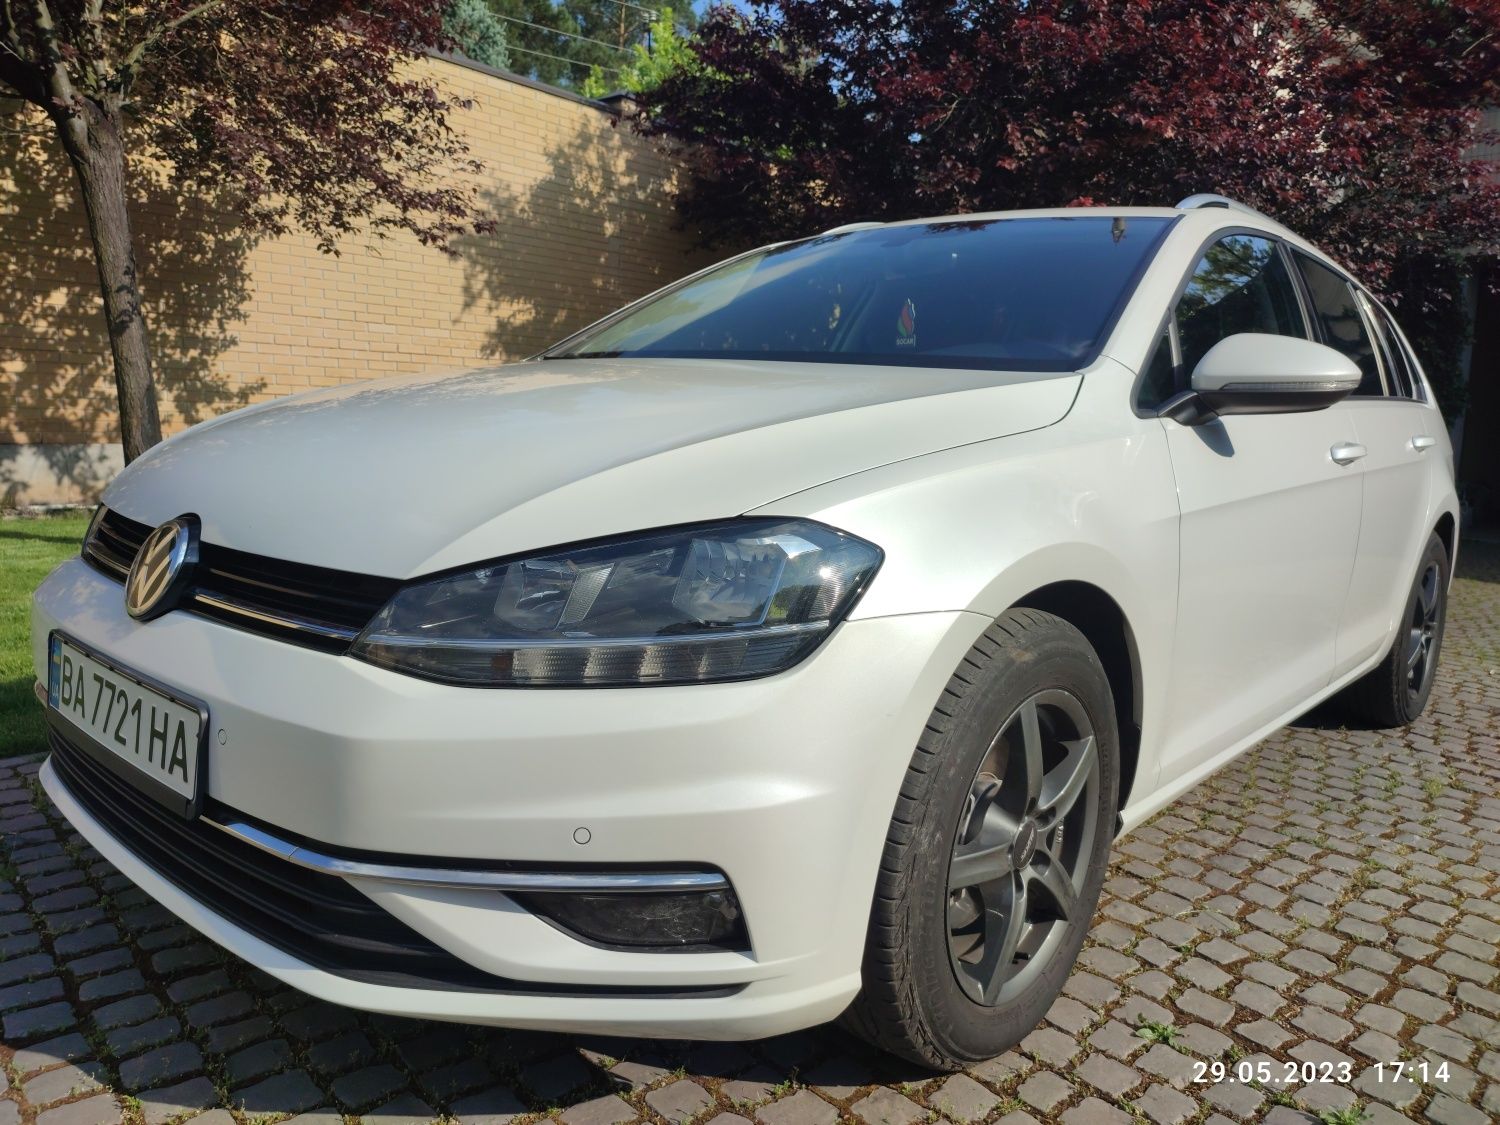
(785, 785)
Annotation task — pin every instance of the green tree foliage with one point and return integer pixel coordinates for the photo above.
(307, 111)
(666, 51)
(563, 42)
(480, 34)
(1355, 124)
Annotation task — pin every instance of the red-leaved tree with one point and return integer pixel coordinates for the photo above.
(306, 111)
(1349, 120)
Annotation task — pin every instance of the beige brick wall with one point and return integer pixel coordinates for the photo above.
(585, 224)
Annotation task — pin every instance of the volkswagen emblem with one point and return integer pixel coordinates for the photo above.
(162, 569)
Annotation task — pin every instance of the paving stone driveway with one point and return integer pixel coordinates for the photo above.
(1333, 897)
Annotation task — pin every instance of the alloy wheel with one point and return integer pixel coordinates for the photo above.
(1421, 634)
(1020, 857)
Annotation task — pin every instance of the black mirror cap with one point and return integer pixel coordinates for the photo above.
(1195, 408)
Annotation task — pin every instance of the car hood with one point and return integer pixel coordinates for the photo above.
(405, 476)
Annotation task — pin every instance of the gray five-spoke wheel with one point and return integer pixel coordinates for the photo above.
(1422, 630)
(1021, 852)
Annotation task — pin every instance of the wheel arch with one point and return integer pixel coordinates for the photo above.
(1098, 616)
(1446, 529)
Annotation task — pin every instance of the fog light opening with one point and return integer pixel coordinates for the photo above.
(663, 922)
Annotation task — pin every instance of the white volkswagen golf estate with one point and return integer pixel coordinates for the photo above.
(790, 644)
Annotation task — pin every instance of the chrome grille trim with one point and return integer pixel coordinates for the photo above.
(283, 621)
(298, 603)
(112, 547)
(533, 882)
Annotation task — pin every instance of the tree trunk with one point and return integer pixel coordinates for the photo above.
(95, 144)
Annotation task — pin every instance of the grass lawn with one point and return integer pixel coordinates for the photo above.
(29, 549)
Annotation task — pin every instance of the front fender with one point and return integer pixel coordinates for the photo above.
(1091, 499)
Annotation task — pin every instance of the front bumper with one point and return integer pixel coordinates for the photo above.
(785, 784)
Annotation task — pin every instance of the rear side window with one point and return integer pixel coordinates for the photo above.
(1400, 371)
(1242, 284)
(1338, 316)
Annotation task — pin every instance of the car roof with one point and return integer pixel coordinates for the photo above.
(1206, 213)
(1042, 213)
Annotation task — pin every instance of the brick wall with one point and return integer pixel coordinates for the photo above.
(585, 224)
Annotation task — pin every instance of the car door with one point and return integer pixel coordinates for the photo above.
(1270, 513)
(1397, 431)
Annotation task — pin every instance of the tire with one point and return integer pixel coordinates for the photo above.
(947, 980)
(1396, 690)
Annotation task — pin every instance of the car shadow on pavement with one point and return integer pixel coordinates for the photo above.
(1478, 561)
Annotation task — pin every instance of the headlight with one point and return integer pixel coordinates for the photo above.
(722, 601)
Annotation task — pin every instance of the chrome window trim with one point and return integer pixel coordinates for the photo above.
(534, 882)
(1364, 303)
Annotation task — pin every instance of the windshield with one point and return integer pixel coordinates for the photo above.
(1020, 294)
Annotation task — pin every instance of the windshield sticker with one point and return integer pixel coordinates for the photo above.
(906, 326)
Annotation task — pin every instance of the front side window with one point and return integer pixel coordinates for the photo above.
(1022, 294)
(1337, 313)
(1242, 284)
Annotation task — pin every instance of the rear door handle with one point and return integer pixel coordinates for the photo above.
(1423, 442)
(1346, 452)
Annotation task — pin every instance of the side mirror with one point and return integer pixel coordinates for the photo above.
(1257, 373)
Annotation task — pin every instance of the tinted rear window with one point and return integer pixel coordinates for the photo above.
(1008, 294)
(1343, 326)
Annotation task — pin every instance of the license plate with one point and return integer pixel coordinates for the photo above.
(144, 732)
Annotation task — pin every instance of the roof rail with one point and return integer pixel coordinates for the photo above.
(1207, 199)
(847, 227)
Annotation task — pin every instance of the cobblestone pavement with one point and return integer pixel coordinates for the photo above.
(1333, 897)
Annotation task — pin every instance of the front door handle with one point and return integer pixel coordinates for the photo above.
(1423, 442)
(1346, 452)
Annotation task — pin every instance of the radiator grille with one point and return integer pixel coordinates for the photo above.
(307, 605)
